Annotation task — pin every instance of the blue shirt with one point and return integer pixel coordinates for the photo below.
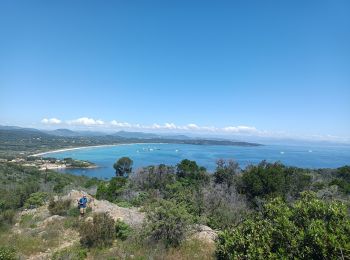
(82, 202)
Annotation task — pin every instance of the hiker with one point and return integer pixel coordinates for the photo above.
(82, 204)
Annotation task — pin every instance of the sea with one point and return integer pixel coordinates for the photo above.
(308, 156)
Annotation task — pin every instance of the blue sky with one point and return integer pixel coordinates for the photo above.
(254, 67)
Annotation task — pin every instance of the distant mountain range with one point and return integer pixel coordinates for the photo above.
(17, 140)
(123, 134)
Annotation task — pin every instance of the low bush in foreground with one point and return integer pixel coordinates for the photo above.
(168, 222)
(98, 233)
(35, 200)
(7, 217)
(27, 220)
(7, 253)
(309, 229)
(134, 248)
(122, 230)
(74, 253)
(27, 244)
(59, 207)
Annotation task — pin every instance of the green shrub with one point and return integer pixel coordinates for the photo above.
(7, 216)
(124, 204)
(122, 230)
(268, 180)
(27, 220)
(98, 233)
(190, 171)
(342, 184)
(167, 222)
(35, 200)
(75, 212)
(316, 186)
(225, 172)
(190, 196)
(58, 188)
(344, 173)
(2, 204)
(27, 244)
(92, 183)
(309, 229)
(140, 199)
(59, 207)
(224, 216)
(7, 253)
(71, 253)
(154, 177)
(71, 222)
(224, 207)
(112, 190)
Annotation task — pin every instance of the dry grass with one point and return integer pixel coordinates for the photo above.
(193, 249)
(27, 244)
(32, 237)
(190, 249)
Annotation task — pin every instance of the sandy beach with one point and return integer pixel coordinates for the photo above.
(85, 147)
(73, 148)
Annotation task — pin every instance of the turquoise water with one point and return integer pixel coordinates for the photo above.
(205, 155)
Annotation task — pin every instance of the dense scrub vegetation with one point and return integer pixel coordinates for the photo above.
(59, 207)
(267, 180)
(167, 222)
(267, 210)
(98, 233)
(241, 203)
(310, 228)
(27, 187)
(231, 198)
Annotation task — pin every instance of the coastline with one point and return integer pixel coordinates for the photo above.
(85, 147)
(62, 166)
(73, 148)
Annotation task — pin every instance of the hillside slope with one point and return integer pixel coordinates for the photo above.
(40, 235)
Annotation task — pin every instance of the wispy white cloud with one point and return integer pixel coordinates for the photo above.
(191, 128)
(85, 121)
(120, 124)
(114, 124)
(51, 121)
(169, 126)
(240, 129)
(195, 127)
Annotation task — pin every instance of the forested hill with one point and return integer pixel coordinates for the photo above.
(176, 212)
(16, 141)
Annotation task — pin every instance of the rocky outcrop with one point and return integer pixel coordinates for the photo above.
(131, 216)
(204, 233)
(51, 219)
